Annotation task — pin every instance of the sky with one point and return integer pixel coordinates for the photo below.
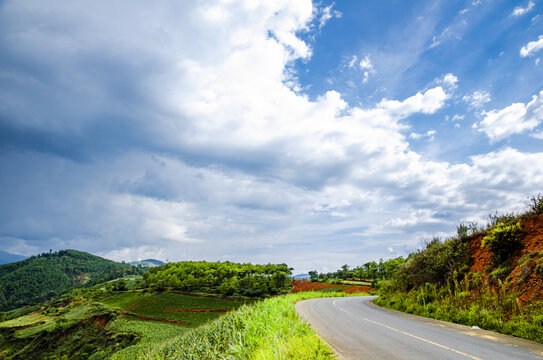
(315, 134)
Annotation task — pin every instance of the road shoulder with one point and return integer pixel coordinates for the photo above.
(480, 333)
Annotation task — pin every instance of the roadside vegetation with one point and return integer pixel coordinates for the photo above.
(127, 318)
(270, 329)
(370, 273)
(490, 277)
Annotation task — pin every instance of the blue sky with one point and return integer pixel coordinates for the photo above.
(315, 134)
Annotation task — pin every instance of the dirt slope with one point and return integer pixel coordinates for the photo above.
(524, 276)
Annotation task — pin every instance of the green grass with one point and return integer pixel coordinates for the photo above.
(356, 282)
(333, 289)
(266, 330)
(485, 308)
(152, 334)
(154, 305)
(25, 320)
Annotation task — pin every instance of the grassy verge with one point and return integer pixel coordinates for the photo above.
(152, 334)
(487, 309)
(267, 330)
(154, 305)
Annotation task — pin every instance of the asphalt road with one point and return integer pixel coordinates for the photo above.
(358, 329)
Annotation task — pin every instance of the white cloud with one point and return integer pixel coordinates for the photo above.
(450, 80)
(208, 151)
(532, 47)
(477, 99)
(458, 117)
(519, 10)
(366, 65)
(514, 119)
(326, 14)
(353, 61)
(417, 136)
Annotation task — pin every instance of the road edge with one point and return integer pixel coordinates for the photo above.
(535, 347)
(301, 317)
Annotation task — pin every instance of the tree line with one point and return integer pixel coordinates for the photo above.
(224, 278)
(41, 277)
(370, 271)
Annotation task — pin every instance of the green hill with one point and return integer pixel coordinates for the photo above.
(127, 318)
(147, 263)
(41, 277)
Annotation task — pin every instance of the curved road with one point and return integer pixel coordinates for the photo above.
(358, 329)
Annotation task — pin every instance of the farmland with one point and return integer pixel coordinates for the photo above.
(163, 305)
(159, 308)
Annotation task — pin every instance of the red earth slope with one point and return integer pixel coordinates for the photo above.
(524, 278)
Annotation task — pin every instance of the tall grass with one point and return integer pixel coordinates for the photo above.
(152, 334)
(267, 330)
(473, 303)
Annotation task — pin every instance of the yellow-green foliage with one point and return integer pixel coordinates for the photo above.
(26, 320)
(473, 303)
(503, 239)
(270, 329)
(152, 334)
(154, 304)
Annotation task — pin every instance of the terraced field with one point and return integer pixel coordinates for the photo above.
(157, 318)
(191, 311)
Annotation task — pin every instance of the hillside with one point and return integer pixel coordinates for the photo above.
(491, 278)
(41, 277)
(126, 318)
(523, 270)
(147, 263)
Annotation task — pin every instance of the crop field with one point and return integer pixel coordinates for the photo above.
(162, 307)
(192, 310)
(25, 321)
(152, 334)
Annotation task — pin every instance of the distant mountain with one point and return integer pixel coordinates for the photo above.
(41, 277)
(147, 263)
(6, 258)
(301, 276)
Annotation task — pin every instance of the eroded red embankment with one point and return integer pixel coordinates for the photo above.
(303, 285)
(524, 278)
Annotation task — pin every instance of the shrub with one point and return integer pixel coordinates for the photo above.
(536, 204)
(501, 272)
(503, 239)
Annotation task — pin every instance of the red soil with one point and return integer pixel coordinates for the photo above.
(481, 256)
(101, 321)
(524, 279)
(304, 285)
(360, 289)
(153, 319)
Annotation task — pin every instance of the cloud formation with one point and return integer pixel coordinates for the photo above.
(477, 99)
(519, 10)
(182, 132)
(532, 47)
(513, 119)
